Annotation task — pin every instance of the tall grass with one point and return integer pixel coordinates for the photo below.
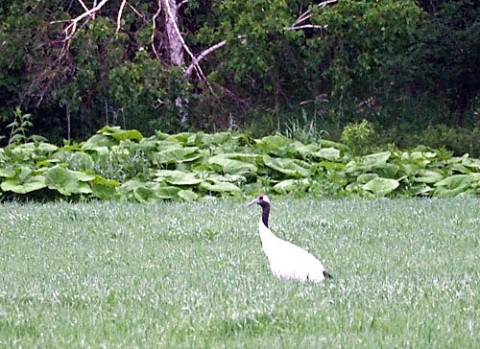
(174, 275)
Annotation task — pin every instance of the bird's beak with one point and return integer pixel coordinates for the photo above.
(253, 202)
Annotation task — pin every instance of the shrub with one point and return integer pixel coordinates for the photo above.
(358, 136)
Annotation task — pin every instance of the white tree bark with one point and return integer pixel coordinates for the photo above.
(175, 40)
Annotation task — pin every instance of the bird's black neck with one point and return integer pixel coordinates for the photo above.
(265, 212)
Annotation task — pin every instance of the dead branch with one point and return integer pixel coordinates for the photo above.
(307, 15)
(182, 3)
(71, 29)
(206, 52)
(306, 26)
(154, 29)
(83, 5)
(138, 13)
(119, 16)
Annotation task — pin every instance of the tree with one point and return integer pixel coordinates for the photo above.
(76, 65)
(444, 60)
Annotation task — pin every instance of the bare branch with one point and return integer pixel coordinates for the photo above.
(206, 52)
(71, 29)
(138, 13)
(83, 5)
(306, 26)
(307, 15)
(303, 17)
(182, 3)
(119, 16)
(154, 28)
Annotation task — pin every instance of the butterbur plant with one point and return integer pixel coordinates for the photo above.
(124, 165)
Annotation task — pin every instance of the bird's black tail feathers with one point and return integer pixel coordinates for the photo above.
(327, 275)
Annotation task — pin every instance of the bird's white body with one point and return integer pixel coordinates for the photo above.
(288, 261)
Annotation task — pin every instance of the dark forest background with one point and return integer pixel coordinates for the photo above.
(308, 69)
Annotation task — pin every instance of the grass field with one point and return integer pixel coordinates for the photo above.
(171, 275)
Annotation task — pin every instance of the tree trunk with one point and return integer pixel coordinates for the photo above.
(175, 46)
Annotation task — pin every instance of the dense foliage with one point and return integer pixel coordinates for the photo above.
(404, 65)
(123, 165)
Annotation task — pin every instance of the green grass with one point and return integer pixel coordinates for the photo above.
(174, 275)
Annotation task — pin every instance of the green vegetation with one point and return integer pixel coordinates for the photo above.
(189, 275)
(118, 164)
(247, 66)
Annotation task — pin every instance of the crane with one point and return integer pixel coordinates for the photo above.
(287, 261)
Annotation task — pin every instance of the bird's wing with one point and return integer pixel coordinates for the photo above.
(290, 261)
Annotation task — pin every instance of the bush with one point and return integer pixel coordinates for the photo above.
(459, 140)
(358, 136)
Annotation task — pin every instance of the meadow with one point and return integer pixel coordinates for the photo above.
(192, 275)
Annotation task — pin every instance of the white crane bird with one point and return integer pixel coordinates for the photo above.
(287, 261)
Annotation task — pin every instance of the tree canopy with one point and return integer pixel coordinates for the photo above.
(169, 65)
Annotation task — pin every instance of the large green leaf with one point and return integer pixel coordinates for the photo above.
(231, 166)
(305, 150)
(176, 177)
(274, 144)
(68, 182)
(105, 189)
(24, 151)
(47, 163)
(187, 195)
(421, 190)
(46, 147)
(289, 185)
(324, 143)
(216, 139)
(32, 183)
(99, 141)
(183, 138)
(428, 176)
(176, 155)
(145, 194)
(220, 187)
(377, 159)
(290, 167)
(381, 186)
(331, 165)
(146, 145)
(148, 192)
(366, 177)
(23, 173)
(7, 172)
(119, 134)
(370, 163)
(473, 164)
(420, 158)
(454, 182)
(328, 154)
(166, 192)
(216, 178)
(80, 160)
(388, 170)
(452, 185)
